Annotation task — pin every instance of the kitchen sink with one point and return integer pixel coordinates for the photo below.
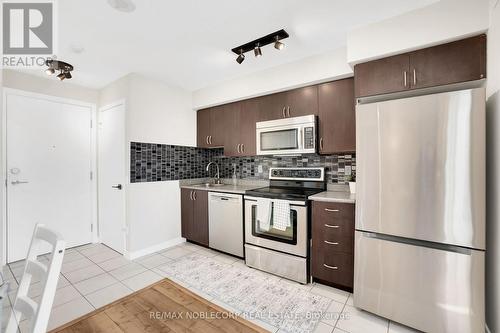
(210, 185)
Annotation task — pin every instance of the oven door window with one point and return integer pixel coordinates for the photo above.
(279, 140)
(289, 235)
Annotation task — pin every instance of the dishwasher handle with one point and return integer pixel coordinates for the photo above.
(222, 197)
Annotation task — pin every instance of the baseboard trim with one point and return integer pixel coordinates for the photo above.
(155, 248)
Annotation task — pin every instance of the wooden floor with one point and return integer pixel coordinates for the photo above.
(162, 307)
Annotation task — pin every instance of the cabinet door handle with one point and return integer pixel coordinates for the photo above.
(414, 77)
(321, 143)
(330, 267)
(207, 140)
(288, 111)
(405, 78)
(191, 195)
(332, 226)
(194, 195)
(210, 139)
(283, 112)
(331, 243)
(332, 210)
(242, 147)
(238, 148)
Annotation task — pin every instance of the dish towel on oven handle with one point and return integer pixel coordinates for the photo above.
(281, 215)
(264, 213)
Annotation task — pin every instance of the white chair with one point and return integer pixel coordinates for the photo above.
(4, 287)
(38, 314)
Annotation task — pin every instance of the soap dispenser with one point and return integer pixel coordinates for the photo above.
(235, 179)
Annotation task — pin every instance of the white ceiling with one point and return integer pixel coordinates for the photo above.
(187, 43)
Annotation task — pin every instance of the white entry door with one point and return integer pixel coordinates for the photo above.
(49, 164)
(112, 159)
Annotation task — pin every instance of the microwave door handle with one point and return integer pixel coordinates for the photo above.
(301, 139)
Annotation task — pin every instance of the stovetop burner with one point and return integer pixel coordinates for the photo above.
(292, 184)
(283, 193)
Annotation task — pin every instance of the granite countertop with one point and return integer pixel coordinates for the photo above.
(226, 188)
(243, 185)
(334, 196)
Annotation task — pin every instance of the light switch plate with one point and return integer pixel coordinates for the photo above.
(260, 170)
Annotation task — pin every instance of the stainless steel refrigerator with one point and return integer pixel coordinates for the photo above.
(420, 210)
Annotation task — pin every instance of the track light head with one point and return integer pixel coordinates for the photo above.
(61, 76)
(50, 71)
(67, 75)
(277, 44)
(241, 57)
(257, 51)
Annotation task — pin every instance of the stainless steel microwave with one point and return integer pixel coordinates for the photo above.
(287, 136)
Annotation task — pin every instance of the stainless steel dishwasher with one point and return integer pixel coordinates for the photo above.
(225, 220)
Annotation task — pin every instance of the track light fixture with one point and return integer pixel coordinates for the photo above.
(277, 44)
(257, 51)
(63, 67)
(240, 58)
(256, 45)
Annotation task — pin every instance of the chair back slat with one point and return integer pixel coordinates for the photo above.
(36, 268)
(24, 307)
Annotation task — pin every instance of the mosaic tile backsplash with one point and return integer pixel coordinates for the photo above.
(157, 162)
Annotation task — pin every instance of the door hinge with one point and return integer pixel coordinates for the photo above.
(91, 175)
(91, 123)
(91, 228)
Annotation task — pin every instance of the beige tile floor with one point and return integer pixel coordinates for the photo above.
(93, 275)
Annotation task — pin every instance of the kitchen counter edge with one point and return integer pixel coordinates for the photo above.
(334, 196)
(238, 189)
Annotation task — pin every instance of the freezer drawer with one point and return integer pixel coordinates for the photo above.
(430, 289)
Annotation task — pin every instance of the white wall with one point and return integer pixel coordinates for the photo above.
(160, 113)
(443, 21)
(311, 70)
(156, 113)
(48, 86)
(493, 173)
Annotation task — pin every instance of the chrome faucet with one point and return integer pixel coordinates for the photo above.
(217, 175)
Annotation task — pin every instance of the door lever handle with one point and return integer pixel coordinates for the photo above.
(118, 187)
(17, 182)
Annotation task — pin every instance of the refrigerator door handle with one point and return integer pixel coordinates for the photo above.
(417, 242)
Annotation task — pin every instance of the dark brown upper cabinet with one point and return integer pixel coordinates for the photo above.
(249, 116)
(382, 76)
(302, 102)
(460, 61)
(272, 107)
(219, 117)
(455, 62)
(293, 103)
(203, 128)
(212, 125)
(194, 215)
(337, 118)
(240, 138)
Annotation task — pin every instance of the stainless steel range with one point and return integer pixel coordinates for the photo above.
(279, 250)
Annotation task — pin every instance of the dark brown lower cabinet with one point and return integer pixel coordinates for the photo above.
(332, 254)
(194, 216)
